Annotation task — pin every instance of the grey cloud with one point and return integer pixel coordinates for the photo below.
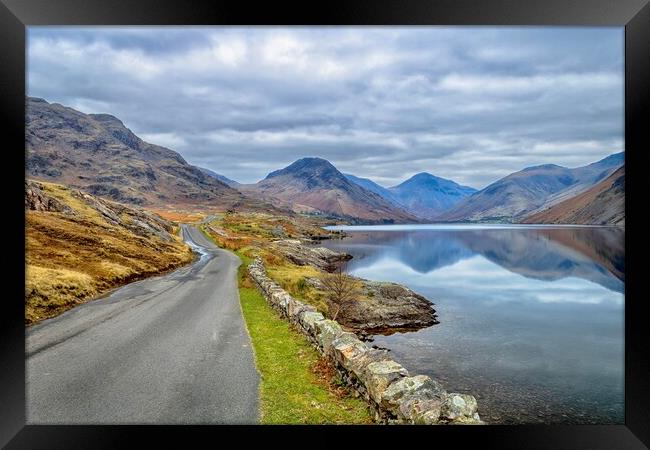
(467, 103)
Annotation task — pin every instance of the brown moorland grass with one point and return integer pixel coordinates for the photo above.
(177, 215)
(71, 258)
(250, 233)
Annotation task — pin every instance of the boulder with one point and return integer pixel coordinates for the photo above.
(328, 330)
(378, 375)
(310, 321)
(419, 387)
(342, 341)
(460, 409)
(388, 306)
(306, 255)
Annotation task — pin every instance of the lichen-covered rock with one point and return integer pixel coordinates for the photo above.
(388, 306)
(378, 375)
(295, 308)
(37, 200)
(310, 320)
(419, 387)
(328, 330)
(342, 340)
(459, 408)
(417, 410)
(357, 364)
(347, 348)
(280, 299)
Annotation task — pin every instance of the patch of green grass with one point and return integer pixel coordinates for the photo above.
(291, 393)
(296, 386)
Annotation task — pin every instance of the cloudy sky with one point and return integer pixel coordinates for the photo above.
(467, 103)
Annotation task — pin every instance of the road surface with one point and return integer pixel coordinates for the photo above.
(167, 350)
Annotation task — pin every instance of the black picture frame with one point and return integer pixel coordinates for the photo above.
(16, 15)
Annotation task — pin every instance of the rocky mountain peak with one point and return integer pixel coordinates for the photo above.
(306, 166)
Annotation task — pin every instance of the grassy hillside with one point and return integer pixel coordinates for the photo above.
(79, 246)
(602, 204)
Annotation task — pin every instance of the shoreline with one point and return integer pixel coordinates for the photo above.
(459, 226)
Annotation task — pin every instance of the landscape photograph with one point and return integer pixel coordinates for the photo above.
(325, 225)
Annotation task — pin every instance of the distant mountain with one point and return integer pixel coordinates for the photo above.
(520, 193)
(314, 185)
(601, 204)
(423, 195)
(427, 195)
(224, 179)
(371, 186)
(97, 153)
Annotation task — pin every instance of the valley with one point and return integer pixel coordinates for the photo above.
(97, 153)
(327, 225)
(104, 209)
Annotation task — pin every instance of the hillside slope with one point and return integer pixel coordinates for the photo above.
(97, 153)
(602, 204)
(79, 246)
(520, 193)
(371, 186)
(314, 185)
(224, 179)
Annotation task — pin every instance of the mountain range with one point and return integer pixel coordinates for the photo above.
(99, 154)
(424, 195)
(602, 203)
(314, 185)
(513, 197)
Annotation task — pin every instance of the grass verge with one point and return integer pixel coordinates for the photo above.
(298, 386)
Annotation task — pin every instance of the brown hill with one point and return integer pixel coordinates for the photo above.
(603, 203)
(314, 185)
(79, 246)
(524, 192)
(97, 153)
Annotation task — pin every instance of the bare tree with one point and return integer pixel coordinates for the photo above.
(340, 287)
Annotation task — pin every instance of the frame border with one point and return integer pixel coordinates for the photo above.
(634, 15)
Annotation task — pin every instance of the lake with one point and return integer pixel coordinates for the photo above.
(531, 317)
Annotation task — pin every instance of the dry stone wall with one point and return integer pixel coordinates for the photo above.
(395, 396)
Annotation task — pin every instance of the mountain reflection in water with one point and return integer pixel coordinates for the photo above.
(595, 254)
(531, 318)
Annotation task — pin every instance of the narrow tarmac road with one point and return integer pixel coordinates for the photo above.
(166, 350)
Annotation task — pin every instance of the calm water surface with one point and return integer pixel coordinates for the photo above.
(531, 318)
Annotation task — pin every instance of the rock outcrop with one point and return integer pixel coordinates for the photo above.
(391, 307)
(137, 220)
(395, 396)
(304, 255)
(37, 200)
(385, 307)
